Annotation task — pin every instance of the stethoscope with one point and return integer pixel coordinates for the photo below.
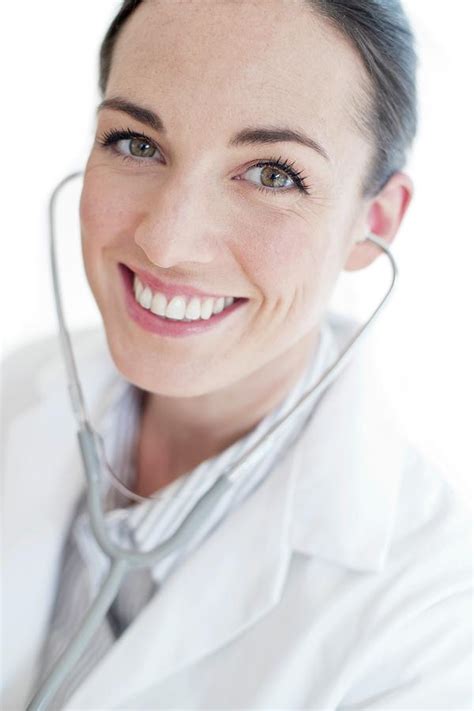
(123, 559)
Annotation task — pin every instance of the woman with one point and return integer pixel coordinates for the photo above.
(336, 574)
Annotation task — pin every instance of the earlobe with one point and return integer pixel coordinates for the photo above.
(382, 217)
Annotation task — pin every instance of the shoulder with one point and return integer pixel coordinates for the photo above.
(416, 648)
(433, 524)
(19, 371)
(427, 583)
(424, 550)
(401, 635)
(36, 369)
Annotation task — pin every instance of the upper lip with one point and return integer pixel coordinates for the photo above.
(170, 290)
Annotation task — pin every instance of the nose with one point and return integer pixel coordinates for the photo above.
(176, 226)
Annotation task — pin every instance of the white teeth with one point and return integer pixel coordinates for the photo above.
(193, 309)
(178, 308)
(219, 305)
(206, 308)
(137, 287)
(145, 298)
(158, 304)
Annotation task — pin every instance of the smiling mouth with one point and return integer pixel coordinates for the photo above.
(150, 313)
(177, 303)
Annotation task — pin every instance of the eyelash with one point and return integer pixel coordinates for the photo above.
(109, 139)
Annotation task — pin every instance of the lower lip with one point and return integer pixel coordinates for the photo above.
(166, 327)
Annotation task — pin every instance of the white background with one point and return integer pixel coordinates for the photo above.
(423, 339)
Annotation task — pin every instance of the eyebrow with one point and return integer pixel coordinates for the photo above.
(250, 135)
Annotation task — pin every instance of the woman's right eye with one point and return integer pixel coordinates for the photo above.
(138, 147)
(128, 144)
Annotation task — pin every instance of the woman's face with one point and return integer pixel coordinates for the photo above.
(198, 211)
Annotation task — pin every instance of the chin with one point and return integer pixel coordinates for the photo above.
(148, 375)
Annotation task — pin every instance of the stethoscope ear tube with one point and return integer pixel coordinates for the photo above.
(74, 387)
(121, 559)
(134, 559)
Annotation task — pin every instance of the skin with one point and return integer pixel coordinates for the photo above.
(193, 214)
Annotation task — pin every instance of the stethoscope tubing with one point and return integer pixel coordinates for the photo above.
(123, 559)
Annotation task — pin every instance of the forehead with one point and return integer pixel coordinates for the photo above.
(226, 63)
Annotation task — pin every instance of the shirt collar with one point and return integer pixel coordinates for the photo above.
(120, 411)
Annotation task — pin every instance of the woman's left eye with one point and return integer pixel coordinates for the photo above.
(139, 147)
(279, 173)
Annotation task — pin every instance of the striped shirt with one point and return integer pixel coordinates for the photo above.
(145, 524)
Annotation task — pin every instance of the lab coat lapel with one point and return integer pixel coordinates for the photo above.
(43, 478)
(230, 581)
(350, 463)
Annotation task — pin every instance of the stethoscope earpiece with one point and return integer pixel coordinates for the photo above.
(368, 236)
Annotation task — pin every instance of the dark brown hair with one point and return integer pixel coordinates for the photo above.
(380, 32)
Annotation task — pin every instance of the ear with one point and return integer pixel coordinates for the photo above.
(382, 215)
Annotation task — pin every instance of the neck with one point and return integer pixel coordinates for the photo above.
(178, 434)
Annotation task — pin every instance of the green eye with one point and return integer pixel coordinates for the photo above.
(272, 177)
(128, 144)
(140, 148)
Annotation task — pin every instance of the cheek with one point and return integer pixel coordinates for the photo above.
(107, 216)
(107, 210)
(280, 254)
(296, 265)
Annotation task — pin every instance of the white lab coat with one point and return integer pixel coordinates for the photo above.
(343, 582)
